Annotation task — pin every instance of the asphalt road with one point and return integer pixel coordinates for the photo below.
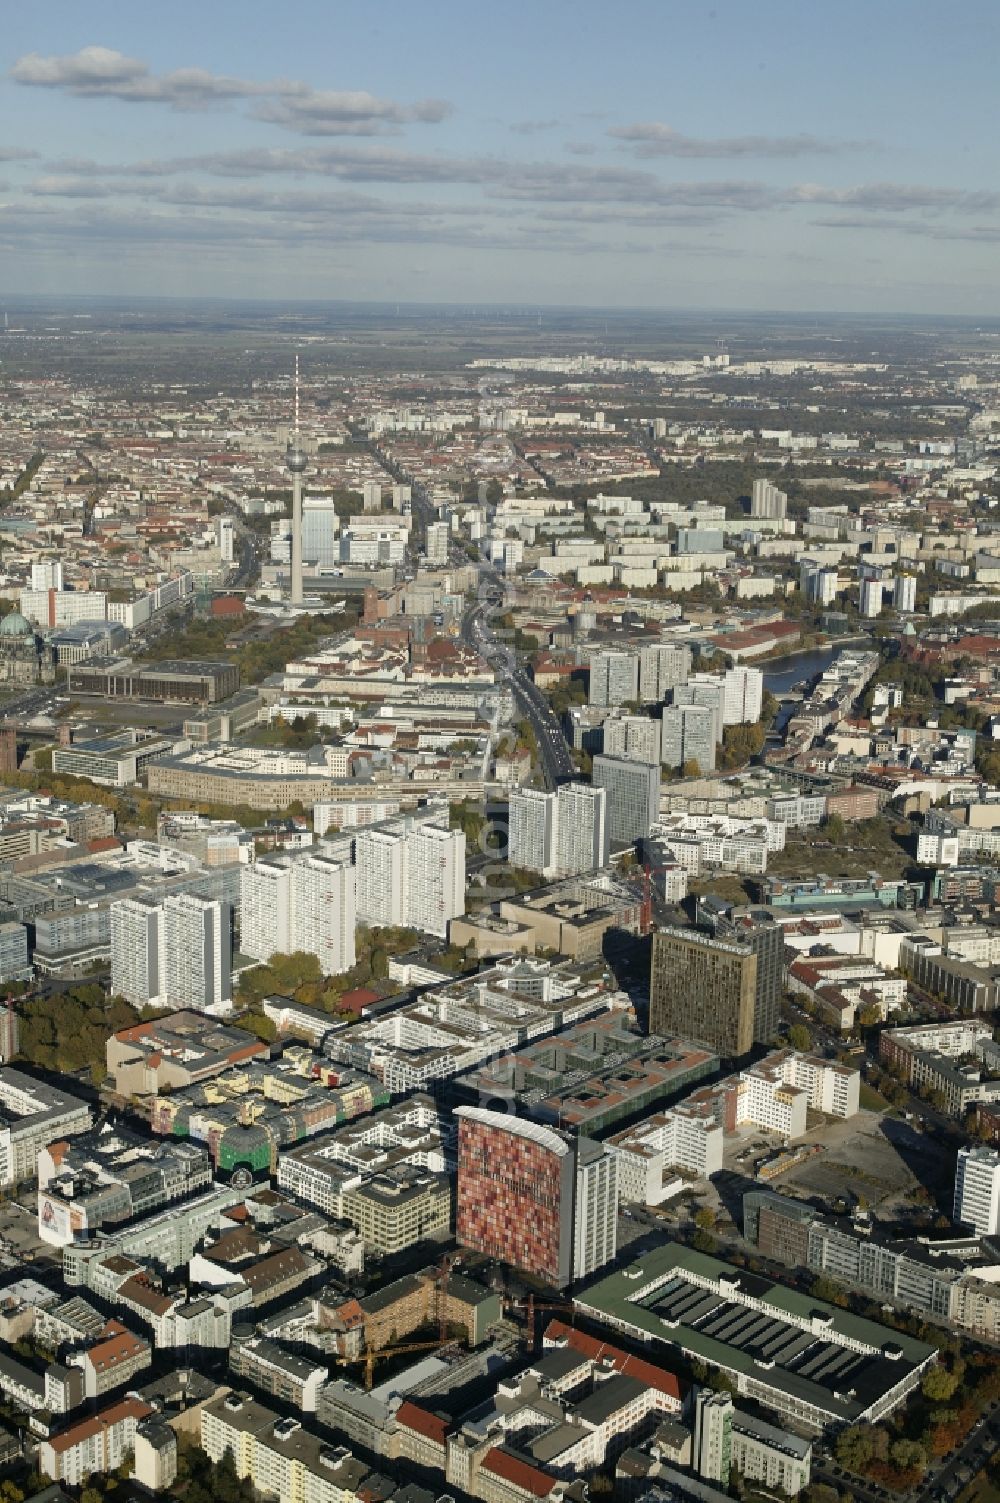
(554, 754)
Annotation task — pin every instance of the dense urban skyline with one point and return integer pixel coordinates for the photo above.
(667, 156)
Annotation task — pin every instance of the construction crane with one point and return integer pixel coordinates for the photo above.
(375, 1354)
(530, 1305)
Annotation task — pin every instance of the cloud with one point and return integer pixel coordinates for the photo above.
(897, 198)
(532, 127)
(326, 112)
(16, 154)
(654, 139)
(103, 73)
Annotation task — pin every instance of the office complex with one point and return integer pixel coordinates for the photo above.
(633, 794)
(32, 1115)
(177, 953)
(534, 1197)
(704, 988)
(757, 929)
(977, 1190)
(809, 1362)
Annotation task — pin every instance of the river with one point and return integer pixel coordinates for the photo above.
(781, 673)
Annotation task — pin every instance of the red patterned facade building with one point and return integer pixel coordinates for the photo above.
(515, 1192)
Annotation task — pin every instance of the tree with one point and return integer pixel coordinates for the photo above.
(908, 1455)
(800, 1038)
(855, 1448)
(704, 1219)
(938, 1385)
(834, 829)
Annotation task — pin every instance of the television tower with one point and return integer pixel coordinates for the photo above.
(296, 461)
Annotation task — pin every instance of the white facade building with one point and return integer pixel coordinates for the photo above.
(977, 1190)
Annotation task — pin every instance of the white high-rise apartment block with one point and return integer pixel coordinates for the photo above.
(872, 592)
(304, 902)
(371, 495)
(177, 953)
(583, 835)
(767, 501)
(380, 857)
(662, 667)
(47, 574)
(614, 678)
(977, 1190)
(266, 908)
(323, 911)
(636, 738)
(411, 872)
(744, 696)
(904, 596)
(136, 944)
(436, 879)
(532, 836)
(708, 690)
(595, 1211)
(227, 539)
(197, 954)
(438, 539)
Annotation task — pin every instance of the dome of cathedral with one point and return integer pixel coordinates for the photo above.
(15, 625)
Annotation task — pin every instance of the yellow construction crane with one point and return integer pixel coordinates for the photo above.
(375, 1354)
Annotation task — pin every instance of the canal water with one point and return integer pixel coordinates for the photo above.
(780, 674)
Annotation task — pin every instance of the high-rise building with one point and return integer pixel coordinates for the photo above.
(711, 1446)
(633, 790)
(614, 678)
(266, 908)
(323, 911)
(226, 532)
(595, 1213)
(320, 543)
(707, 690)
(872, 595)
(767, 501)
(380, 856)
(533, 1197)
(662, 666)
(687, 734)
(178, 952)
(583, 830)
(636, 738)
(533, 830)
(436, 879)
(197, 953)
(904, 596)
(818, 583)
(303, 902)
(438, 542)
(371, 496)
(977, 1190)
(755, 928)
(47, 574)
(703, 988)
(136, 941)
(744, 696)
(411, 871)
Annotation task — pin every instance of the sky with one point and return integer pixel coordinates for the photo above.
(759, 155)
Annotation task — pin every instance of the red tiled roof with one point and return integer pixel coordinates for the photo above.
(530, 1479)
(432, 1426)
(623, 1362)
(76, 1434)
